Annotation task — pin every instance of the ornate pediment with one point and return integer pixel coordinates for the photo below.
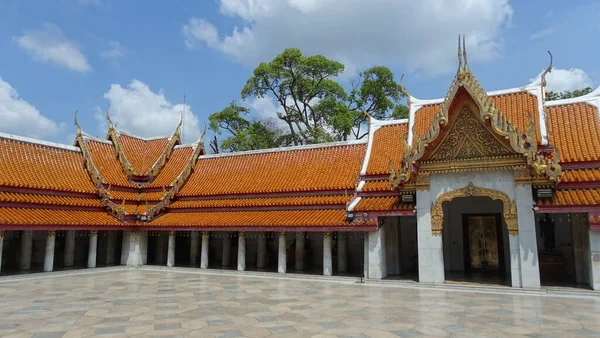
(468, 138)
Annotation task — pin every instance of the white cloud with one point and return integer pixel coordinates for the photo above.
(542, 34)
(22, 118)
(570, 79)
(49, 44)
(264, 107)
(420, 35)
(114, 51)
(136, 109)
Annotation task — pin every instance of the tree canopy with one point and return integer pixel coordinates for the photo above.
(312, 106)
(551, 96)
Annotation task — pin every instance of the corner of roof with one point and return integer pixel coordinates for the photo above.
(592, 98)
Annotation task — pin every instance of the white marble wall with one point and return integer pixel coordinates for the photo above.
(431, 256)
(530, 267)
(594, 259)
(135, 248)
(375, 262)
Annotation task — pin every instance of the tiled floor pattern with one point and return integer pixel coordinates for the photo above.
(168, 303)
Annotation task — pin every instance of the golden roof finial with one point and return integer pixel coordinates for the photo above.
(548, 70)
(464, 47)
(403, 90)
(75, 121)
(460, 56)
(108, 115)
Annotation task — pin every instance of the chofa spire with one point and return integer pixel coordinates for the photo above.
(463, 64)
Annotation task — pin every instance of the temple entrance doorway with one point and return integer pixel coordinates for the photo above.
(475, 241)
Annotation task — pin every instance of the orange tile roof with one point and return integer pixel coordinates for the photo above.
(262, 202)
(388, 145)
(175, 164)
(580, 175)
(515, 106)
(48, 199)
(575, 130)
(105, 159)
(297, 218)
(36, 166)
(47, 217)
(140, 153)
(573, 197)
(382, 203)
(383, 185)
(323, 168)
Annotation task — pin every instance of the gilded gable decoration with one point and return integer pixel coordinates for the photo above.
(489, 136)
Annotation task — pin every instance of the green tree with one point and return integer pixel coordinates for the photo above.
(313, 106)
(243, 134)
(551, 96)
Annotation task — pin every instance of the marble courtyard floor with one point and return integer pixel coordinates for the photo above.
(161, 302)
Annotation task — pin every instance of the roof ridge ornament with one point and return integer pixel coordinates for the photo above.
(466, 66)
(404, 91)
(543, 77)
(77, 123)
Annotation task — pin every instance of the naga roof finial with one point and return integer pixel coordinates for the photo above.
(110, 122)
(464, 47)
(460, 57)
(403, 90)
(548, 70)
(75, 121)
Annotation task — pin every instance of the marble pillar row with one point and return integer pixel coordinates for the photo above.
(26, 247)
(282, 255)
(69, 259)
(327, 256)
(134, 251)
(171, 249)
(204, 250)
(1, 248)
(194, 248)
(300, 251)
(49, 256)
(261, 254)
(241, 259)
(342, 252)
(93, 250)
(225, 260)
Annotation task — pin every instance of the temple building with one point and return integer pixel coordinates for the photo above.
(498, 187)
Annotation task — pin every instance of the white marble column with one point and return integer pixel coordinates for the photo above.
(594, 258)
(376, 262)
(282, 256)
(342, 252)
(1, 248)
(171, 249)
(430, 249)
(194, 239)
(261, 254)
(241, 259)
(111, 246)
(327, 256)
(49, 256)
(204, 252)
(225, 258)
(530, 268)
(93, 250)
(134, 251)
(69, 248)
(300, 247)
(26, 247)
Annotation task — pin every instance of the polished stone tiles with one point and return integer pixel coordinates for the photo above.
(170, 303)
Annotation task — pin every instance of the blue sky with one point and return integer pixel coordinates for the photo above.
(140, 56)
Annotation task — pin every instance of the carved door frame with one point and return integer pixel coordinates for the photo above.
(499, 240)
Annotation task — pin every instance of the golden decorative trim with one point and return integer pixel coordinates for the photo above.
(522, 176)
(93, 232)
(509, 207)
(177, 184)
(112, 135)
(422, 181)
(51, 233)
(1, 233)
